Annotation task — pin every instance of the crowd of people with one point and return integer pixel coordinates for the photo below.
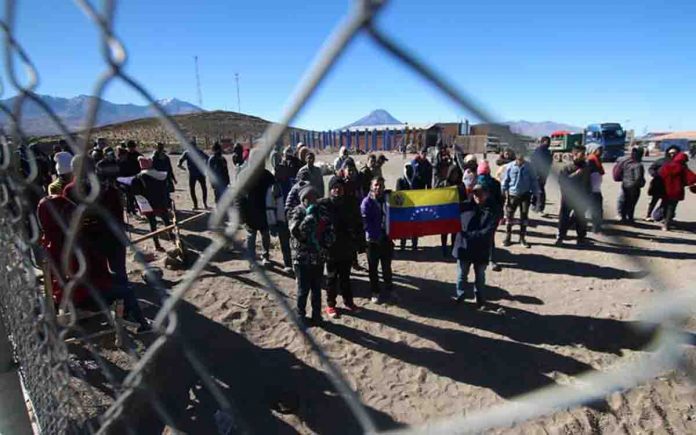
(323, 232)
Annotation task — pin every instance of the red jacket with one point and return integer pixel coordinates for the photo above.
(51, 211)
(676, 175)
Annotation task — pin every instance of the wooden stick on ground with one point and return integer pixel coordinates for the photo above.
(168, 228)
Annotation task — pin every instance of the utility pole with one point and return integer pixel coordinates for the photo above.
(198, 83)
(239, 105)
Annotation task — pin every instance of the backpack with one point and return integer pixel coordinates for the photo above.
(617, 172)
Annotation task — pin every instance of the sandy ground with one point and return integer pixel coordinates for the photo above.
(566, 310)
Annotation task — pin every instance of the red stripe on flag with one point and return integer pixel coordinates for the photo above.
(405, 230)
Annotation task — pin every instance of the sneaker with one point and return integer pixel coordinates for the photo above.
(559, 241)
(457, 299)
(331, 312)
(583, 242)
(649, 219)
(288, 270)
(507, 242)
(524, 244)
(351, 308)
(374, 299)
(265, 262)
(496, 267)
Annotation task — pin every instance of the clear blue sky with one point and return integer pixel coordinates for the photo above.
(569, 61)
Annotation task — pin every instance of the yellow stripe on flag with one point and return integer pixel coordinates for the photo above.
(424, 197)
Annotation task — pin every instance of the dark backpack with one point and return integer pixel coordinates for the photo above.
(617, 172)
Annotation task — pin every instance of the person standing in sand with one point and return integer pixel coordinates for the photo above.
(312, 235)
(380, 248)
(473, 243)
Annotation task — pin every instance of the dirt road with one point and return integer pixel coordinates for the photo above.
(566, 310)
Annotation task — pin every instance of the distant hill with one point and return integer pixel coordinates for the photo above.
(207, 127)
(376, 117)
(537, 129)
(73, 112)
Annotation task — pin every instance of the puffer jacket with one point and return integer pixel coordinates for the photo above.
(657, 186)
(312, 234)
(676, 175)
(293, 199)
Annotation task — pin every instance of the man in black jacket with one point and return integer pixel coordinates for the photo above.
(576, 188)
(252, 208)
(473, 244)
(131, 166)
(350, 236)
(541, 162)
(161, 162)
(196, 174)
(405, 183)
(632, 181)
(152, 185)
(217, 165)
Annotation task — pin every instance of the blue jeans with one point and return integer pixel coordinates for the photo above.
(265, 243)
(116, 258)
(479, 279)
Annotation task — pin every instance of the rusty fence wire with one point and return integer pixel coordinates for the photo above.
(56, 380)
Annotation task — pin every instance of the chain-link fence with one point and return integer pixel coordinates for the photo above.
(72, 388)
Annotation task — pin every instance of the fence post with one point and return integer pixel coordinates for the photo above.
(14, 419)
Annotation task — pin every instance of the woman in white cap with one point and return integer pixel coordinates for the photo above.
(64, 172)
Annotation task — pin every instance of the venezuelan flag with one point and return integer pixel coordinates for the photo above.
(415, 213)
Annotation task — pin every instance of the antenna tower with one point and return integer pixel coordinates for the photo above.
(198, 83)
(239, 105)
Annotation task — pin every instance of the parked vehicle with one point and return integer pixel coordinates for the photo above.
(611, 136)
(562, 143)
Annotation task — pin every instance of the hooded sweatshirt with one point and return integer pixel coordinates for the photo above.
(406, 182)
(152, 184)
(676, 175)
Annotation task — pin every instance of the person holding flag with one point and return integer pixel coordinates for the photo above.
(473, 244)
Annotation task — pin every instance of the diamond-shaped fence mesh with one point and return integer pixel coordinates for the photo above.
(58, 355)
